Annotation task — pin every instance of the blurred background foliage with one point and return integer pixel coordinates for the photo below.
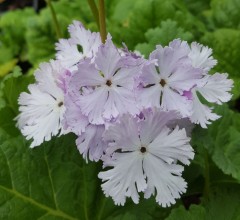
(28, 37)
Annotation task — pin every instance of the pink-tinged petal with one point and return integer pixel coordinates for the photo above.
(92, 105)
(217, 88)
(74, 120)
(90, 143)
(174, 101)
(202, 114)
(87, 75)
(184, 78)
(188, 94)
(108, 59)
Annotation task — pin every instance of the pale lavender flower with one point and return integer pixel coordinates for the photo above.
(166, 76)
(111, 83)
(143, 158)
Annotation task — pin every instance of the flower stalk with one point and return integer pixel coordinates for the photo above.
(54, 17)
(94, 10)
(102, 21)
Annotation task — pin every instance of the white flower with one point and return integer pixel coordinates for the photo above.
(145, 161)
(41, 110)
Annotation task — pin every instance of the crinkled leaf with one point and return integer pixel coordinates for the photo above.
(10, 88)
(12, 33)
(195, 212)
(222, 140)
(225, 13)
(223, 204)
(149, 14)
(52, 181)
(225, 44)
(167, 32)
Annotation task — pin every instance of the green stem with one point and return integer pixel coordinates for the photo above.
(54, 17)
(94, 11)
(102, 21)
(207, 177)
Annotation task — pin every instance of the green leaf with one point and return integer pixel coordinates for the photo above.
(197, 7)
(225, 44)
(167, 32)
(225, 13)
(222, 140)
(52, 181)
(49, 181)
(224, 204)
(7, 122)
(12, 33)
(194, 213)
(10, 88)
(147, 15)
(41, 36)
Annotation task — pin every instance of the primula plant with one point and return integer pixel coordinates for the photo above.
(154, 138)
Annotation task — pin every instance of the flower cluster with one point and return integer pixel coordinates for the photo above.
(133, 114)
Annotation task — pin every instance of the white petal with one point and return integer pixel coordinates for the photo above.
(126, 179)
(89, 41)
(41, 114)
(171, 100)
(217, 88)
(202, 114)
(149, 97)
(68, 53)
(201, 57)
(172, 146)
(165, 178)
